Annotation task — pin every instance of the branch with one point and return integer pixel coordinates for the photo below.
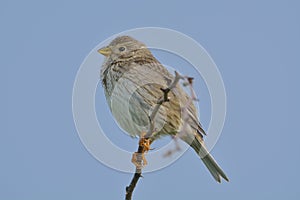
(185, 116)
(137, 175)
(162, 100)
(141, 149)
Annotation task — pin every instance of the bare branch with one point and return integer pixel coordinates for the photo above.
(163, 99)
(141, 149)
(185, 116)
(176, 149)
(137, 175)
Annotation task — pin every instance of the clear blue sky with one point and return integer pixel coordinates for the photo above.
(255, 44)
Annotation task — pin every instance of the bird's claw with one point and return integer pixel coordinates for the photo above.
(139, 159)
(145, 143)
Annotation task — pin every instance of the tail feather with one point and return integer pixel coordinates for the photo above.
(214, 168)
(208, 160)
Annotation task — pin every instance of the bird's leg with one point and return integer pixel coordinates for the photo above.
(138, 158)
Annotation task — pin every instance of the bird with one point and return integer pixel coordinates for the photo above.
(133, 81)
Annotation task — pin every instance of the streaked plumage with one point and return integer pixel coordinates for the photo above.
(132, 76)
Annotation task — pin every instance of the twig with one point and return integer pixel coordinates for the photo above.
(185, 116)
(162, 100)
(176, 149)
(137, 175)
(138, 170)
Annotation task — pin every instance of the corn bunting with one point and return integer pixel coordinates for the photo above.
(132, 79)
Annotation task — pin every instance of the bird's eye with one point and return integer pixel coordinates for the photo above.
(122, 49)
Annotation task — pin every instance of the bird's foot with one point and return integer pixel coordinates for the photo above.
(145, 144)
(138, 158)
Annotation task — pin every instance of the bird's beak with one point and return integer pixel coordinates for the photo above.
(106, 51)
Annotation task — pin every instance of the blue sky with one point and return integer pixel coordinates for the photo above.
(255, 45)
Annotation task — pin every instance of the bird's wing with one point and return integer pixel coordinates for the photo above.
(153, 76)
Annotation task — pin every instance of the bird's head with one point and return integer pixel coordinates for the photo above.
(122, 47)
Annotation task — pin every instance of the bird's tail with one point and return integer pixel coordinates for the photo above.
(208, 160)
